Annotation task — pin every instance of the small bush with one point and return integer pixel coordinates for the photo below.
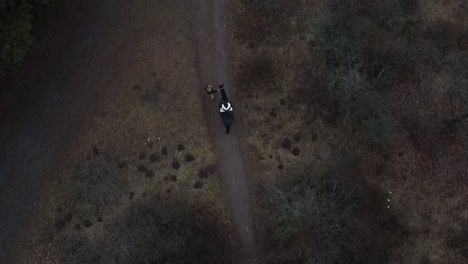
(260, 73)
(359, 101)
(396, 14)
(96, 184)
(316, 218)
(77, 250)
(357, 74)
(337, 41)
(380, 130)
(163, 232)
(265, 20)
(459, 239)
(15, 36)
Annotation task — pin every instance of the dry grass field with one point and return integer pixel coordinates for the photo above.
(367, 101)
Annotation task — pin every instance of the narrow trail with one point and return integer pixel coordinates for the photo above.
(90, 47)
(214, 68)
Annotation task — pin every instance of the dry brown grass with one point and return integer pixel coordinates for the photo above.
(142, 103)
(424, 167)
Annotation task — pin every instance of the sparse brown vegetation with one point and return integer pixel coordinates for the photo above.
(380, 81)
(326, 216)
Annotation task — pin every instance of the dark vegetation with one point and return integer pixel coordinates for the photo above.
(325, 215)
(96, 186)
(151, 231)
(369, 49)
(374, 71)
(156, 227)
(16, 22)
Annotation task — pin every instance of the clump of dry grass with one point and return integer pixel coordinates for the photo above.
(399, 93)
(164, 232)
(258, 75)
(319, 216)
(97, 185)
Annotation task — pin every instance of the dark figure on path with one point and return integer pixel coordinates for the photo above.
(226, 111)
(211, 91)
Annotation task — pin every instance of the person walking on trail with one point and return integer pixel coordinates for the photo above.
(225, 110)
(211, 91)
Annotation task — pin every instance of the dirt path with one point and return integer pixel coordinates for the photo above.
(214, 68)
(86, 51)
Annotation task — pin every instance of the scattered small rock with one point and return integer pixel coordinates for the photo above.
(137, 87)
(286, 143)
(175, 164)
(198, 185)
(189, 157)
(95, 151)
(180, 147)
(282, 101)
(142, 156)
(202, 174)
(297, 137)
(68, 218)
(59, 223)
(99, 219)
(154, 157)
(87, 223)
(122, 164)
(149, 174)
(296, 151)
(280, 166)
(168, 190)
(132, 194)
(173, 178)
(142, 168)
(164, 151)
(314, 137)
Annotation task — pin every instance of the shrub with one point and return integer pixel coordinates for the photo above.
(380, 130)
(260, 73)
(316, 218)
(357, 78)
(360, 102)
(458, 90)
(265, 20)
(15, 36)
(96, 185)
(336, 40)
(163, 232)
(16, 19)
(396, 14)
